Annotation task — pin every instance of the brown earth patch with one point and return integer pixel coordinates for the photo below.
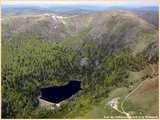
(147, 96)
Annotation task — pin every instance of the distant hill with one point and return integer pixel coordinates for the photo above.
(115, 28)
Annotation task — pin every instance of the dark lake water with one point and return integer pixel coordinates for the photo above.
(57, 94)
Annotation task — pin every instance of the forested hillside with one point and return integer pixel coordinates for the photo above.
(100, 49)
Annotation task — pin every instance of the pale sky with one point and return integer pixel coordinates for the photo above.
(110, 2)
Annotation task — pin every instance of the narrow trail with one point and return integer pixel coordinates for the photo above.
(122, 111)
(114, 105)
(126, 97)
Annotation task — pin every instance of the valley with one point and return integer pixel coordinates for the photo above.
(113, 53)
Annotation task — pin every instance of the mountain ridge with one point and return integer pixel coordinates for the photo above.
(114, 29)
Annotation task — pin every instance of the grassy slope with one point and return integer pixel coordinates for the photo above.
(146, 97)
(102, 109)
(143, 102)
